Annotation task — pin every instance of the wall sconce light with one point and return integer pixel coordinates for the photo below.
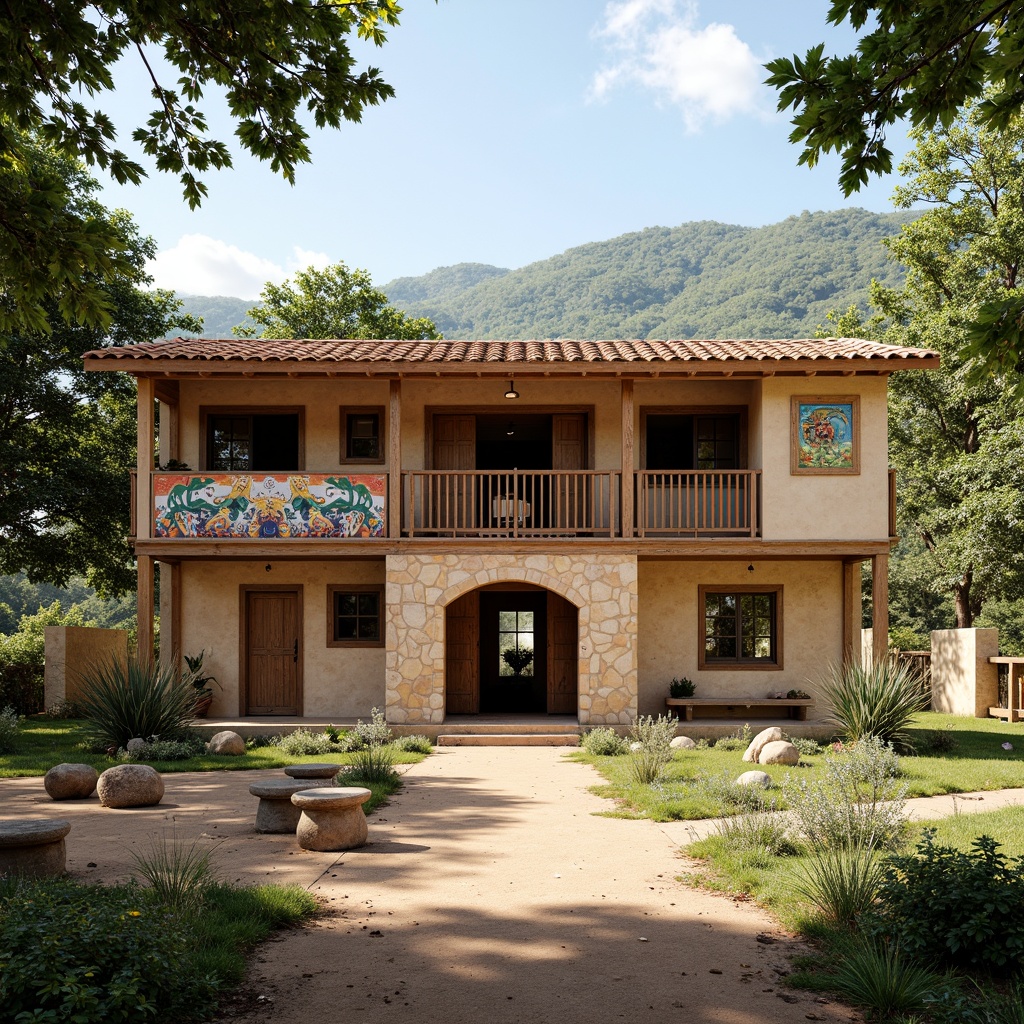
(510, 429)
(266, 568)
(511, 393)
(750, 568)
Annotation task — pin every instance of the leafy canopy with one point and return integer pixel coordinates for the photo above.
(271, 62)
(331, 303)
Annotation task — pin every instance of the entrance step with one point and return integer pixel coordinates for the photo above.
(509, 739)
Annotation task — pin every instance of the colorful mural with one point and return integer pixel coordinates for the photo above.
(294, 505)
(826, 435)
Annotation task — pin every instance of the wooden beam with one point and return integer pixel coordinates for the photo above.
(880, 607)
(627, 458)
(144, 591)
(394, 458)
(851, 613)
(144, 459)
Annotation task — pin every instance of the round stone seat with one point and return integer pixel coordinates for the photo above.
(332, 817)
(34, 849)
(276, 813)
(312, 771)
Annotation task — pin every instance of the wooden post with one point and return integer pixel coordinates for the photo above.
(851, 613)
(144, 460)
(145, 606)
(627, 458)
(880, 607)
(1013, 702)
(395, 459)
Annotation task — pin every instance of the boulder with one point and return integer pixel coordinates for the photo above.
(135, 744)
(130, 785)
(753, 752)
(754, 779)
(70, 781)
(779, 752)
(683, 743)
(226, 742)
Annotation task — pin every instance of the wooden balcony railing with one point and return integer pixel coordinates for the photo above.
(510, 503)
(700, 503)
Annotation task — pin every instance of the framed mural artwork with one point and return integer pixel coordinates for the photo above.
(825, 435)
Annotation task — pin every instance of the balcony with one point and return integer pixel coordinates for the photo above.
(707, 503)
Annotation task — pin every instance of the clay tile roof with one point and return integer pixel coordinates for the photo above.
(193, 350)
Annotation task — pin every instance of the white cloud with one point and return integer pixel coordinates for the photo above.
(200, 265)
(707, 72)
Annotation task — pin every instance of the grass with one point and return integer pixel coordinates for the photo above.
(45, 742)
(976, 762)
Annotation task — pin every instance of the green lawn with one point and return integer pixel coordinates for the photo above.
(696, 783)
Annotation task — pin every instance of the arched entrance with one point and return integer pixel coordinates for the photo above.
(511, 649)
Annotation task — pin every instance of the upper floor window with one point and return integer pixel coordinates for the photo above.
(694, 440)
(242, 441)
(362, 434)
(740, 628)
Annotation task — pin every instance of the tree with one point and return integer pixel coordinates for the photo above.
(271, 61)
(955, 440)
(332, 303)
(67, 437)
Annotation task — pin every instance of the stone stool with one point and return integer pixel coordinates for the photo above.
(34, 849)
(332, 817)
(276, 813)
(312, 771)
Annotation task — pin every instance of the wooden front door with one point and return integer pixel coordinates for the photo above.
(462, 655)
(273, 652)
(562, 662)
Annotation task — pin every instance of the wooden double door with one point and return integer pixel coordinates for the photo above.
(481, 625)
(272, 650)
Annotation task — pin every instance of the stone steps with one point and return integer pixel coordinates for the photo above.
(507, 739)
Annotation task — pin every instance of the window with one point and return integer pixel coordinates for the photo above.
(362, 434)
(699, 439)
(355, 616)
(241, 441)
(515, 643)
(740, 628)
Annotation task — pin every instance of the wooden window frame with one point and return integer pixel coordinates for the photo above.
(206, 411)
(738, 664)
(355, 588)
(697, 410)
(356, 410)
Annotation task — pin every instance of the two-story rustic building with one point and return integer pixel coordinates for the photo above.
(351, 524)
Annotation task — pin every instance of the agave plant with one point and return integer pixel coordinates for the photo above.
(136, 697)
(879, 701)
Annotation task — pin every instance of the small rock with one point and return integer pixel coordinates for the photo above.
(136, 743)
(226, 742)
(636, 746)
(779, 752)
(758, 742)
(683, 743)
(755, 779)
(130, 785)
(714, 970)
(70, 781)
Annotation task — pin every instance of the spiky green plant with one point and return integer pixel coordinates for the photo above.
(180, 874)
(136, 697)
(879, 701)
(370, 764)
(842, 883)
(874, 975)
(650, 747)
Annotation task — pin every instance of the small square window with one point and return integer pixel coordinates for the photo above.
(355, 616)
(362, 435)
(740, 629)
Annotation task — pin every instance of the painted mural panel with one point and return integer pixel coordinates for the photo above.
(826, 435)
(224, 505)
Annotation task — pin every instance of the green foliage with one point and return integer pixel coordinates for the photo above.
(9, 722)
(845, 103)
(374, 763)
(906, 638)
(808, 747)
(179, 875)
(416, 744)
(880, 978)
(604, 742)
(303, 742)
(137, 698)
(682, 687)
(857, 799)
(963, 908)
(650, 747)
(169, 750)
(332, 303)
(517, 658)
(841, 881)
(374, 733)
(880, 701)
(762, 827)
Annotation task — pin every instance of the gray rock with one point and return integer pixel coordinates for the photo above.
(34, 849)
(779, 752)
(226, 742)
(130, 785)
(683, 743)
(332, 818)
(753, 752)
(754, 779)
(135, 744)
(70, 781)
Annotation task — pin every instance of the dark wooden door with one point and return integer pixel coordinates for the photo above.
(273, 652)
(462, 656)
(452, 502)
(562, 661)
(571, 497)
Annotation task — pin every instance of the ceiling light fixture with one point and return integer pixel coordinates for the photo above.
(511, 428)
(511, 393)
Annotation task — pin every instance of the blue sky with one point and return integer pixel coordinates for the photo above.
(518, 130)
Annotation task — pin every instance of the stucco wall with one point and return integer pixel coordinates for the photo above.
(339, 681)
(669, 627)
(963, 681)
(69, 654)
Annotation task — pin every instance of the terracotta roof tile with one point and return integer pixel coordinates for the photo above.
(513, 352)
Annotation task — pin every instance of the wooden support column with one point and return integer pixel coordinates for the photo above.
(1013, 695)
(880, 607)
(851, 613)
(144, 460)
(628, 489)
(145, 606)
(395, 459)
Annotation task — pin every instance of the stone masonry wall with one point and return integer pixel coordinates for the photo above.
(602, 587)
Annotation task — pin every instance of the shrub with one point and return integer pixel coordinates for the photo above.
(841, 882)
(879, 701)
(371, 764)
(414, 744)
(807, 746)
(731, 743)
(302, 742)
(64, 709)
(123, 700)
(654, 736)
(856, 801)
(604, 742)
(256, 742)
(942, 904)
(93, 954)
(375, 732)
(9, 721)
(763, 828)
(682, 688)
(170, 750)
(725, 790)
(179, 875)
(880, 978)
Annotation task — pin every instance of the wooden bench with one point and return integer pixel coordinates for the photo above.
(796, 707)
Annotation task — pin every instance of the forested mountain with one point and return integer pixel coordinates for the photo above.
(699, 280)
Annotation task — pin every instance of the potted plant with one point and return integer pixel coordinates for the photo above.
(518, 659)
(200, 683)
(681, 688)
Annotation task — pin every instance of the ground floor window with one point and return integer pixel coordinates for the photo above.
(355, 616)
(740, 628)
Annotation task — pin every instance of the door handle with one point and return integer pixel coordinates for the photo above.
(295, 651)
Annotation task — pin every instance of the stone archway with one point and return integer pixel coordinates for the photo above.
(603, 588)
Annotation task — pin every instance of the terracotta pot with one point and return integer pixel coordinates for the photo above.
(202, 705)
